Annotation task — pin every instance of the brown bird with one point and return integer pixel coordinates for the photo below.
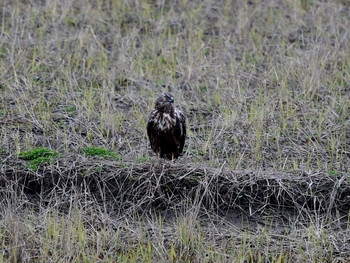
(166, 128)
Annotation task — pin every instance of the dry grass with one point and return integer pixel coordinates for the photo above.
(265, 86)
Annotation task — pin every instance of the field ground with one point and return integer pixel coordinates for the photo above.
(265, 86)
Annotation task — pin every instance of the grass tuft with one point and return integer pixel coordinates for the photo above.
(38, 157)
(37, 153)
(93, 151)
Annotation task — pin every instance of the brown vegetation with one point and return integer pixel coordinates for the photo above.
(265, 86)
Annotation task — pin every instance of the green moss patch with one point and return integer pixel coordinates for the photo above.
(37, 157)
(142, 159)
(93, 151)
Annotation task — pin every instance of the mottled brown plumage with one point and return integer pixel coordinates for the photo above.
(166, 128)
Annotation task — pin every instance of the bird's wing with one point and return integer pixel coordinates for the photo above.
(181, 121)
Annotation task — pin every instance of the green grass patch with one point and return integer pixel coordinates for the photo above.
(142, 159)
(69, 108)
(333, 173)
(93, 151)
(38, 157)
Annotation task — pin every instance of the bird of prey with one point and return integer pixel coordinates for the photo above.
(166, 128)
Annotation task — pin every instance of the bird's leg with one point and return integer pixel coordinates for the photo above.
(172, 157)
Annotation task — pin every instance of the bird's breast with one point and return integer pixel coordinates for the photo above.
(165, 121)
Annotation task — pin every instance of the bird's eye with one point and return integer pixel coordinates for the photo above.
(170, 99)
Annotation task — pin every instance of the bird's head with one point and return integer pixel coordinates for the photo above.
(164, 102)
(169, 97)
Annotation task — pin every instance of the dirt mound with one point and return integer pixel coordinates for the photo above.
(159, 184)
